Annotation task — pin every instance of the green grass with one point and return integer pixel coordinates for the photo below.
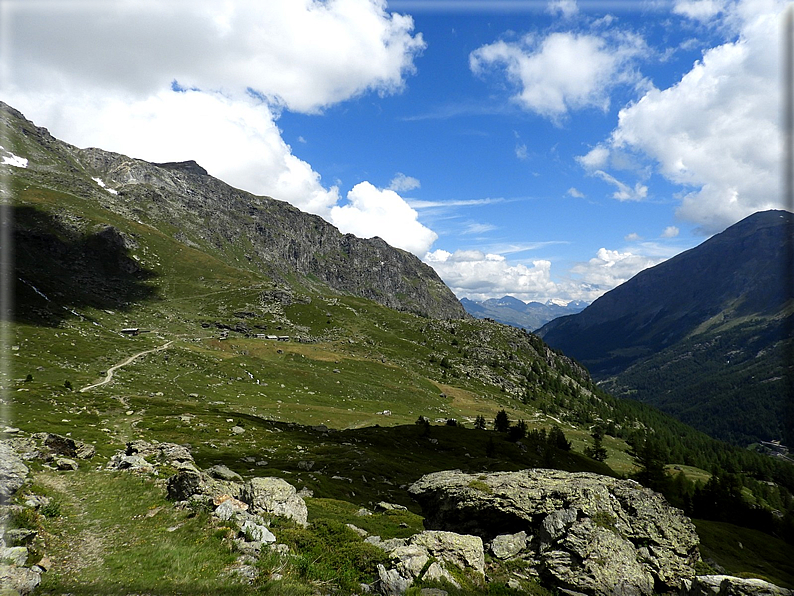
(116, 534)
(355, 360)
(747, 553)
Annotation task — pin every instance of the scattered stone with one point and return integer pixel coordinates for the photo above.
(425, 556)
(238, 430)
(305, 465)
(222, 472)
(360, 531)
(281, 549)
(36, 501)
(275, 497)
(137, 463)
(254, 532)
(384, 506)
(363, 512)
(229, 507)
(64, 463)
(465, 551)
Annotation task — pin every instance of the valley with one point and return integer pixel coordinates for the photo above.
(375, 378)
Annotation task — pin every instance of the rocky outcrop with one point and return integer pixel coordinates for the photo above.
(585, 533)
(142, 456)
(428, 556)
(274, 496)
(12, 471)
(726, 585)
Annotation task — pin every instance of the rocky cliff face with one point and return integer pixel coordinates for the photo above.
(260, 233)
(579, 532)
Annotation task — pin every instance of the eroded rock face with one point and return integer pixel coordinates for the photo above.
(589, 533)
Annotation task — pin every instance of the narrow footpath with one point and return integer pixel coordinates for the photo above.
(109, 376)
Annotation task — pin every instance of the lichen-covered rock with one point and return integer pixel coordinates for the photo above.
(20, 579)
(426, 556)
(726, 585)
(228, 507)
(506, 546)
(191, 483)
(12, 471)
(255, 532)
(65, 446)
(465, 551)
(591, 534)
(274, 496)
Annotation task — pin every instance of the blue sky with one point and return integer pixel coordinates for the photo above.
(544, 149)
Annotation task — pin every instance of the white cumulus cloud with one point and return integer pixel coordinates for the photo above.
(207, 80)
(371, 212)
(699, 10)
(478, 275)
(670, 232)
(624, 192)
(716, 132)
(563, 71)
(610, 268)
(564, 8)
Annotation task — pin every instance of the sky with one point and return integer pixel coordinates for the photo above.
(545, 149)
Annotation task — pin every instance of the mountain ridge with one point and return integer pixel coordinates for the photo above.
(512, 311)
(198, 209)
(711, 317)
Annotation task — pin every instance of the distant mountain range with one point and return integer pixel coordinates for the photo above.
(515, 312)
(700, 335)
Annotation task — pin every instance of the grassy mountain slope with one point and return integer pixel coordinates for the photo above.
(331, 410)
(699, 336)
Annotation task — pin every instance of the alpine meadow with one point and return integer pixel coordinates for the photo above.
(423, 298)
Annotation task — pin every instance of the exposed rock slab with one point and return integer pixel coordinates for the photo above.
(726, 585)
(591, 534)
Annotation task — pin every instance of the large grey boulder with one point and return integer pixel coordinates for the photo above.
(726, 585)
(274, 496)
(591, 534)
